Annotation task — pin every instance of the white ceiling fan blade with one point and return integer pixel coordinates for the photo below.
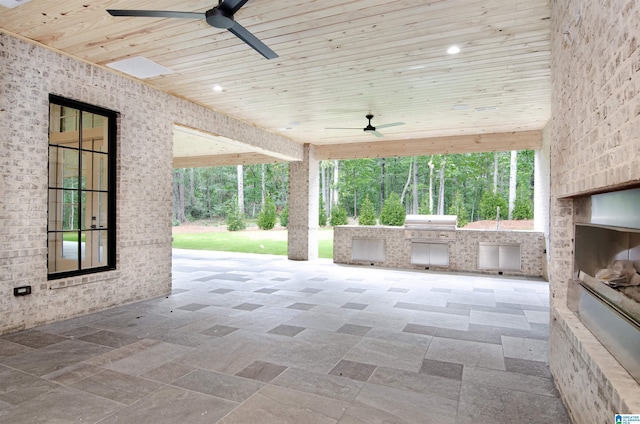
(394, 124)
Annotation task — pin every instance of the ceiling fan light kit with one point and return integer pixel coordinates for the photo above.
(220, 16)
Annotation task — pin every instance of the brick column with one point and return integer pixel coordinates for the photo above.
(303, 207)
(541, 192)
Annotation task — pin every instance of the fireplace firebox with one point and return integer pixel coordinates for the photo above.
(605, 290)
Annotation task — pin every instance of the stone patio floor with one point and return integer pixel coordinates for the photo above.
(261, 339)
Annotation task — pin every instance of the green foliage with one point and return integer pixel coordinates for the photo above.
(322, 214)
(393, 212)
(489, 205)
(338, 216)
(284, 216)
(268, 215)
(458, 208)
(367, 213)
(522, 208)
(235, 220)
(204, 193)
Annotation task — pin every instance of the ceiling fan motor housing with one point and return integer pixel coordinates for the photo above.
(219, 19)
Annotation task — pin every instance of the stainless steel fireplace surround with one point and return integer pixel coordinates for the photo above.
(607, 229)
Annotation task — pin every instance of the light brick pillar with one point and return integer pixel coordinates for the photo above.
(304, 195)
(542, 190)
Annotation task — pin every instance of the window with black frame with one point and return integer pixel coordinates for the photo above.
(81, 215)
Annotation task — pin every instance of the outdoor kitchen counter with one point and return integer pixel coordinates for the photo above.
(518, 253)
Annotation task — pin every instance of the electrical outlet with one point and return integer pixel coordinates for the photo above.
(22, 291)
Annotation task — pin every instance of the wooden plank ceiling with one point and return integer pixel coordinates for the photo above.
(338, 60)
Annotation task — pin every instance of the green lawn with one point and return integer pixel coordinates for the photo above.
(268, 242)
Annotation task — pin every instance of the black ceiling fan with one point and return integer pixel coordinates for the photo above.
(370, 128)
(220, 16)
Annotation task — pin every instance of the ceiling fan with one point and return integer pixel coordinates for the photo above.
(370, 129)
(220, 16)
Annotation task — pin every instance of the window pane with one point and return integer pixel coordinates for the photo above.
(55, 210)
(95, 209)
(63, 210)
(94, 171)
(64, 126)
(94, 249)
(55, 167)
(69, 168)
(63, 252)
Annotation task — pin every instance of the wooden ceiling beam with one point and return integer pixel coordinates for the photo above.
(474, 143)
(231, 159)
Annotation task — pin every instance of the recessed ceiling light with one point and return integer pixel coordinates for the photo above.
(217, 88)
(453, 50)
(140, 67)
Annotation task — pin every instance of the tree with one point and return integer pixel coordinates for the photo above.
(393, 212)
(430, 210)
(322, 214)
(416, 202)
(284, 216)
(513, 177)
(457, 208)
(235, 218)
(240, 189)
(441, 191)
(263, 189)
(489, 206)
(406, 185)
(367, 213)
(267, 216)
(338, 216)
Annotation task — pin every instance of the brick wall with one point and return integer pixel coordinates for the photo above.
(28, 74)
(595, 144)
(463, 248)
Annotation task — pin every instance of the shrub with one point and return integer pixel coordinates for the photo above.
(338, 216)
(489, 204)
(522, 207)
(268, 215)
(457, 208)
(393, 212)
(284, 216)
(367, 213)
(322, 214)
(235, 220)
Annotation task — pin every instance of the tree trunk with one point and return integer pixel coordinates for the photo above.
(180, 210)
(513, 179)
(383, 194)
(495, 172)
(355, 203)
(262, 187)
(336, 171)
(415, 185)
(192, 189)
(406, 185)
(431, 185)
(240, 189)
(323, 182)
(441, 191)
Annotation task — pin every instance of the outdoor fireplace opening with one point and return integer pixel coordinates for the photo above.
(605, 291)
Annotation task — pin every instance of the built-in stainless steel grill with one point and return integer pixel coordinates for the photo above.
(430, 236)
(431, 222)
